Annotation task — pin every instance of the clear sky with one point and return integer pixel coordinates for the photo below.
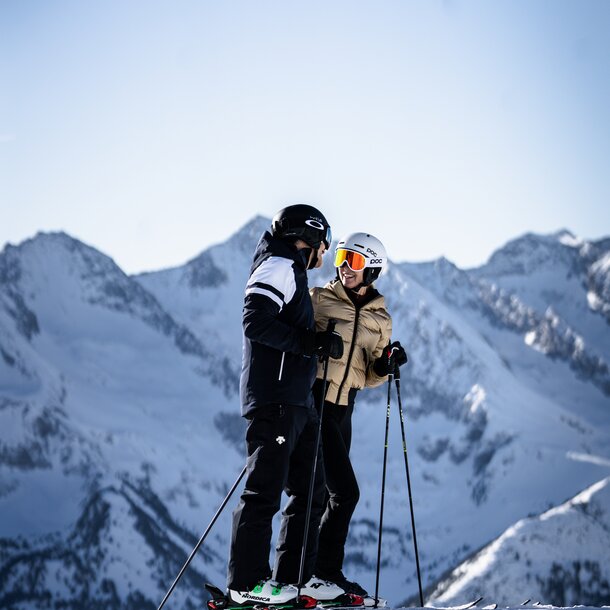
(152, 130)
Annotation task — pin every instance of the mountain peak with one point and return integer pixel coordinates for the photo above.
(40, 239)
(51, 243)
(567, 238)
(253, 229)
(534, 251)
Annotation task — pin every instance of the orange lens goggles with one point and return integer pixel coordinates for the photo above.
(355, 260)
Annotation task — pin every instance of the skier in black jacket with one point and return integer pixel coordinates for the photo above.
(278, 371)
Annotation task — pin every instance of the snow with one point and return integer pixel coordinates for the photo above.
(475, 398)
(585, 457)
(572, 536)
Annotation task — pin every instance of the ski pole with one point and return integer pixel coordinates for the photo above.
(330, 328)
(203, 537)
(404, 447)
(385, 461)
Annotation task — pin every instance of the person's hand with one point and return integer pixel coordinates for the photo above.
(394, 355)
(329, 343)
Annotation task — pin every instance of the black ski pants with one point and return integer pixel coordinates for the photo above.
(342, 489)
(280, 442)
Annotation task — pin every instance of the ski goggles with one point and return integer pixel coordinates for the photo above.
(328, 238)
(354, 260)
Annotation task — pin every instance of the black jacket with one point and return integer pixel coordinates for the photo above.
(277, 316)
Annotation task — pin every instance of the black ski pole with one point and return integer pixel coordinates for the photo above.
(385, 461)
(203, 537)
(404, 447)
(330, 328)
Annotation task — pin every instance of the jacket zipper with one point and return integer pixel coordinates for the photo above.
(281, 366)
(351, 353)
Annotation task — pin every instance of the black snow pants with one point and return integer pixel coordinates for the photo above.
(280, 442)
(342, 489)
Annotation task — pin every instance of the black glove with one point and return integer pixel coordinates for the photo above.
(323, 344)
(329, 343)
(393, 356)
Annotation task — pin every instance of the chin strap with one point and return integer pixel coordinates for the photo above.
(313, 259)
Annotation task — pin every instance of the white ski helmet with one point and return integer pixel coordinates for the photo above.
(361, 251)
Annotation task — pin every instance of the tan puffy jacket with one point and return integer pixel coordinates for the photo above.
(365, 333)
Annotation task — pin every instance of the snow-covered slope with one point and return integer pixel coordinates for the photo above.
(119, 409)
(101, 403)
(561, 556)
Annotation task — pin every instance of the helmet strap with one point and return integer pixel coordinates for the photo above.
(313, 257)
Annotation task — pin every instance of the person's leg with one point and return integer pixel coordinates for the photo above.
(271, 437)
(346, 426)
(342, 489)
(290, 539)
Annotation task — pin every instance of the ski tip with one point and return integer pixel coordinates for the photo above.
(467, 606)
(472, 604)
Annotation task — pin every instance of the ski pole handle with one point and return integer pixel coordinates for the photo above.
(389, 350)
(396, 371)
(394, 363)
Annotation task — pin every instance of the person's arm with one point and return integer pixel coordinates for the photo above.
(320, 317)
(372, 378)
(269, 288)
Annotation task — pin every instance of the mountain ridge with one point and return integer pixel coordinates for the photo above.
(102, 384)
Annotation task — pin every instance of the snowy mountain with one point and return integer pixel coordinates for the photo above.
(560, 556)
(120, 431)
(101, 405)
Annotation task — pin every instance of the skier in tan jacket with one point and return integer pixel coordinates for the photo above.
(365, 325)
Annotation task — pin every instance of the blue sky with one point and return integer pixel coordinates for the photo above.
(152, 130)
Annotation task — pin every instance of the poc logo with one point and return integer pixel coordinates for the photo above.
(376, 261)
(371, 252)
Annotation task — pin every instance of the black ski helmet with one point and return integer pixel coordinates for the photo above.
(304, 222)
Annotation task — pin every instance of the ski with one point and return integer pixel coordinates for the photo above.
(490, 607)
(467, 606)
(220, 601)
(348, 601)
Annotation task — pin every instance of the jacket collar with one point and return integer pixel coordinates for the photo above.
(337, 287)
(270, 245)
